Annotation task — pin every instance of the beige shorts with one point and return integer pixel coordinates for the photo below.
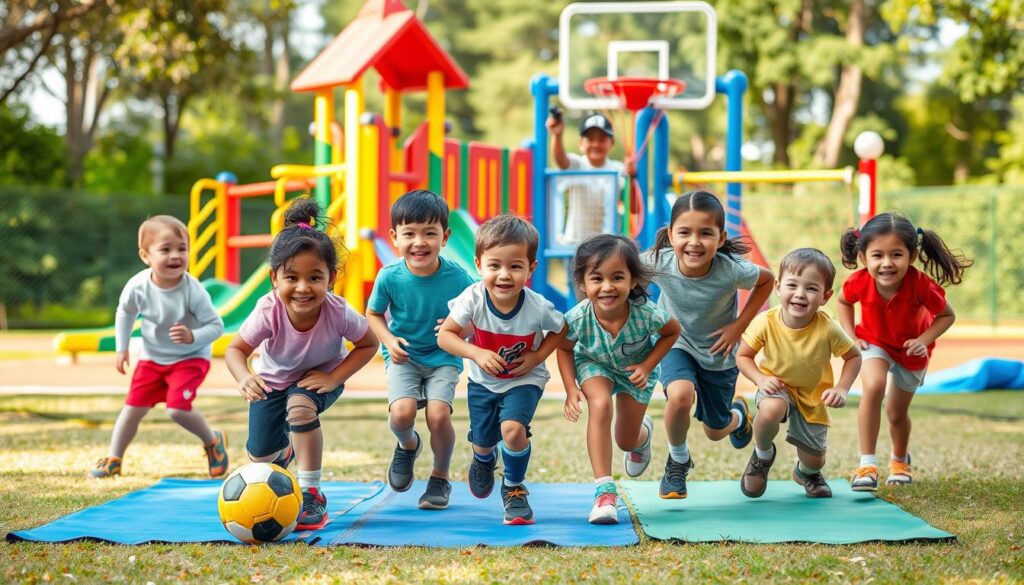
(906, 380)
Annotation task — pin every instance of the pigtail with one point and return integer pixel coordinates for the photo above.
(849, 246)
(660, 243)
(946, 266)
(735, 247)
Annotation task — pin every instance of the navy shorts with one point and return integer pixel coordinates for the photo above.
(268, 418)
(488, 409)
(715, 389)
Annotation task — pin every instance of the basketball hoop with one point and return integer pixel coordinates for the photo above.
(635, 94)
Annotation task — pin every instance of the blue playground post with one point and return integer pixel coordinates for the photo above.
(733, 84)
(656, 208)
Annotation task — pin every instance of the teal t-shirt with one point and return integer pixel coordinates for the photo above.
(416, 303)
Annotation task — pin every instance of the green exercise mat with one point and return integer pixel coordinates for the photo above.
(717, 511)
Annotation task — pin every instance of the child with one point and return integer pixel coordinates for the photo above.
(178, 325)
(507, 375)
(300, 328)
(614, 343)
(698, 282)
(794, 380)
(903, 312)
(416, 289)
(588, 196)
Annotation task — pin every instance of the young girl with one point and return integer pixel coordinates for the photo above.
(300, 328)
(612, 349)
(698, 282)
(178, 325)
(903, 312)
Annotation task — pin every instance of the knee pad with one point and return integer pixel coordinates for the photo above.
(302, 416)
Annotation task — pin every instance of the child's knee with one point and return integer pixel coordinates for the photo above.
(438, 416)
(178, 415)
(681, 394)
(302, 416)
(402, 413)
(771, 410)
(600, 408)
(627, 441)
(513, 433)
(896, 416)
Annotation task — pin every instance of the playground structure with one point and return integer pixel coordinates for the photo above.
(360, 166)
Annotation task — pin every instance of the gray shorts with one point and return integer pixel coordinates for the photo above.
(906, 380)
(411, 380)
(810, 437)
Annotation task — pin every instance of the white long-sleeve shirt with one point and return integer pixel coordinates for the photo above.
(187, 303)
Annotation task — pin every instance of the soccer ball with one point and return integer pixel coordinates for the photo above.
(260, 502)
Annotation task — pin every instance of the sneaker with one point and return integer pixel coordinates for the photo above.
(673, 482)
(865, 479)
(517, 508)
(636, 461)
(400, 475)
(900, 473)
(314, 510)
(106, 467)
(814, 483)
(481, 476)
(740, 437)
(285, 460)
(436, 495)
(217, 455)
(605, 510)
(755, 476)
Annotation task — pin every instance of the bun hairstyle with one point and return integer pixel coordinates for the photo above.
(302, 232)
(707, 203)
(946, 266)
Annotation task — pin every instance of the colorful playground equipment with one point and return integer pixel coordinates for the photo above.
(361, 166)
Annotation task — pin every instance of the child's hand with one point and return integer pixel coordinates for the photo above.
(630, 167)
(834, 397)
(121, 362)
(555, 125)
(728, 338)
(181, 334)
(530, 361)
(771, 385)
(639, 376)
(861, 344)
(319, 382)
(573, 410)
(395, 351)
(253, 388)
(916, 348)
(437, 328)
(490, 362)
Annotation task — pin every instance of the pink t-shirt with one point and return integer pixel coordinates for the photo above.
(286, 354)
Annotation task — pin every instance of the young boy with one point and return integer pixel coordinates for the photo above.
(794, 379)
(178, 325)
(588, 196)
(416, 289)
(515, 330)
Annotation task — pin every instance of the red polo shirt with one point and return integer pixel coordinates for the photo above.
(890, 324)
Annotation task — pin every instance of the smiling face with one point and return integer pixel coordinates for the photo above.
(504, 271)
(695, 237)
(608, 285)
(887, 260)
(595, 145)
(420, 244)
(801, 295)
(166, 253)
(302, 284)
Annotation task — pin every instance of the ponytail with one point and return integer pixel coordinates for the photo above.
(849, 246)
(944, 265)
(660, 242)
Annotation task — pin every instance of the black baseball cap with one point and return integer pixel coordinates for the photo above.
(596, 121)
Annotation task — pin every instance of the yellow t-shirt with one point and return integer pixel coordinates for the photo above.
(801, 358)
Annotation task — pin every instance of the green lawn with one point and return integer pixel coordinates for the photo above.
(968, 451)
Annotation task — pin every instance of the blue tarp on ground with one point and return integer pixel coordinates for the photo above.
(975, 376)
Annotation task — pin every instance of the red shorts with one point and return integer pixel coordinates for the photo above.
(176, 384)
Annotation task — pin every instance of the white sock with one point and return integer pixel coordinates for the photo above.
(871, 459)
(806, 469)
(605, 479)
(764, 454)
(309, 479)
(508, 483)
(739, 417)
(904, 459)
(679, 453)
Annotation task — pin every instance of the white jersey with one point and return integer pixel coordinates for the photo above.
(590, 199)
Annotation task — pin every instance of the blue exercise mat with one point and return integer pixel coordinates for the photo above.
(975, 376)
(561, 512)
(179, 510)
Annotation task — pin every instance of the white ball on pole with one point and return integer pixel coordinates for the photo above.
(869, 145)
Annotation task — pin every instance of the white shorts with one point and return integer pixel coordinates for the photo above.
(906, 380)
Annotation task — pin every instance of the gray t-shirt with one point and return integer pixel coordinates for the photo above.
(702, 305)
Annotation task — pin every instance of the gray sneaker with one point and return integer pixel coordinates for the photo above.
(481, 476)
(517, 508)
(436, 495)
(635, 462)
(400, 475)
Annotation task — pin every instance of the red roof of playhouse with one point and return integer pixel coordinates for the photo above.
(387, 36)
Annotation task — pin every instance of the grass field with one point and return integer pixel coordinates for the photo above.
(969, 451)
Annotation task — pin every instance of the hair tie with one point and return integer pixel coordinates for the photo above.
(856, 233)
(920, 232)
(303, 225)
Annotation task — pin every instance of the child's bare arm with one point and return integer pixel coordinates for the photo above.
(746, 365)
(362, 352)
(844, 311)
(567, 369)
(943, 321)
(451, 338)
(396, 351)
(639, 373)
(729, 335)
(557, 128)
(250, 385)
(548, 345)
(836, 397)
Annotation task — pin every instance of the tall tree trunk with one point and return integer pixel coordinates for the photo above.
(847, 94)
(780, 115)
(86, 92)
(174, 107)
(282, 75)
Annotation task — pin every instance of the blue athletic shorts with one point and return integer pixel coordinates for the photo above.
(268, 419)
(488, 409)
(715, 389)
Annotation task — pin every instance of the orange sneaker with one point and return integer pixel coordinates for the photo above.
(217, 455)
(106, 467)
(865, 479)
(900, 473)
